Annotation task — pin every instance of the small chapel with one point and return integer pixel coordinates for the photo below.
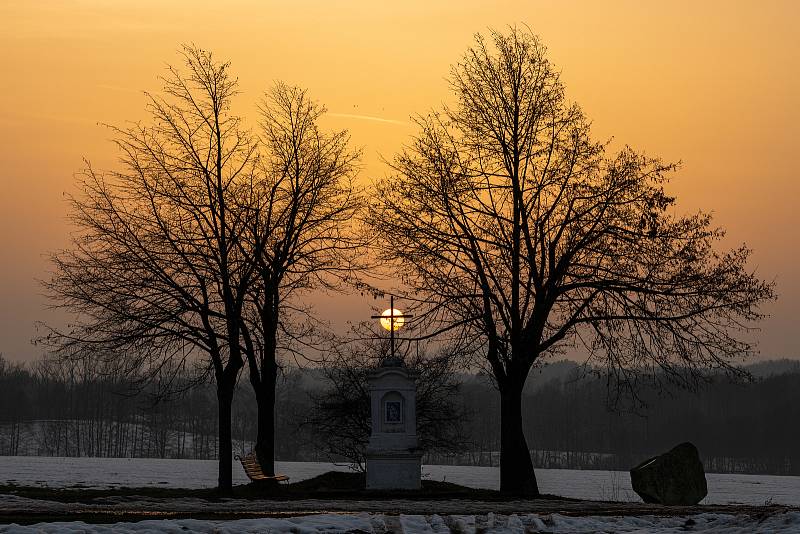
(394, 459)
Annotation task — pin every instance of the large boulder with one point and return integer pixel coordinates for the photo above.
(673, 478)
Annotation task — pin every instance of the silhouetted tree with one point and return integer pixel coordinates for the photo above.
(205, 243)
(158, 271)
(517, 232)
(301, 210)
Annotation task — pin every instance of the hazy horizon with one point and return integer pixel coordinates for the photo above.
(706, 84)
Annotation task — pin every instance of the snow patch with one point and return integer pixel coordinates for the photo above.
(413, 524)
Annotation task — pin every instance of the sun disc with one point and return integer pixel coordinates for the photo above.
(386, 321)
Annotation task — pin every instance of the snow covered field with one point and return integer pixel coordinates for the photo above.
(593, 485)
(438, 516)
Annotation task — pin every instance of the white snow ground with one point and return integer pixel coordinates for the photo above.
(593, 485)
(490, 523)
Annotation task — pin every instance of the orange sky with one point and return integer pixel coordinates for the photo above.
(714, 84)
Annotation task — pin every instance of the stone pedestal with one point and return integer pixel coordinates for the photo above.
(394, 460)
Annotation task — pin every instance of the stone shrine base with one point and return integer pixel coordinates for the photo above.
(394, 470)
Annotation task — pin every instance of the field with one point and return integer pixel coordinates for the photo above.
(193, 474)
(736, 503)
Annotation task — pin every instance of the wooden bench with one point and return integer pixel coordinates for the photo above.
(253, 469)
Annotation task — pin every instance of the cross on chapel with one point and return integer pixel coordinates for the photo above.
(392, 321)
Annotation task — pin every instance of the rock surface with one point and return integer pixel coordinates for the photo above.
(673, 478)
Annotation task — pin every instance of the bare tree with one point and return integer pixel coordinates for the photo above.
(341, 412)
(303, 206)
(157, 273)
(519, 233)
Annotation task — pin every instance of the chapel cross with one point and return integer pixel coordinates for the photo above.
(392, 320)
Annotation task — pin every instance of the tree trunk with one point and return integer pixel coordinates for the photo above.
(516, 469)
(265, 398)
(225, 398)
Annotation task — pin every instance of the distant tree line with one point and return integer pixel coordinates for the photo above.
(52, 409)
(741, 427)
(738, 426)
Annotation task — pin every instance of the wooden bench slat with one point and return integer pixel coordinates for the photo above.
(254, 471)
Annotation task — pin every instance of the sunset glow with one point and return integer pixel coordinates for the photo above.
(587, 210)
(711, 84)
